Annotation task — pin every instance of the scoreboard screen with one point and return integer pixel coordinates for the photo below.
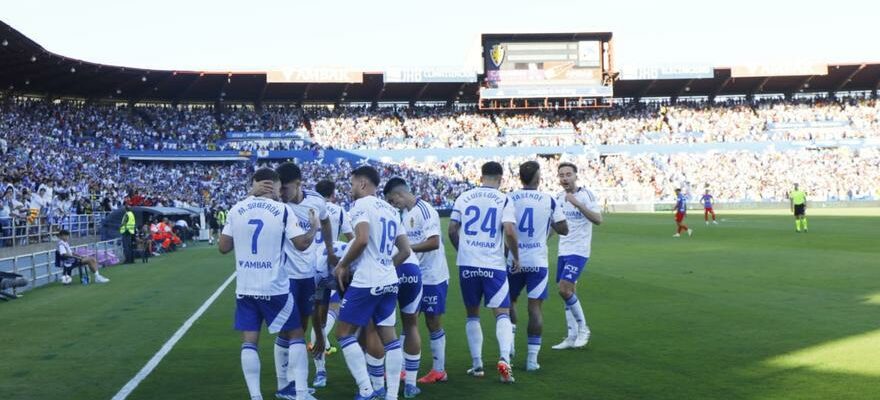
(534, 65)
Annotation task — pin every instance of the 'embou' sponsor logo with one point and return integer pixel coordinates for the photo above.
(477, 273)
(411, 279)
(378, 291)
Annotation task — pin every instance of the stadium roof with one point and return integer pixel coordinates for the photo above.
(28, 68)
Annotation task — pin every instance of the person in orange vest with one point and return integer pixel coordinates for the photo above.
(170, 237)
(157, 234)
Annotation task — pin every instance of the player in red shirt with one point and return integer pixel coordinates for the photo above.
(680, 212)
(708, 201)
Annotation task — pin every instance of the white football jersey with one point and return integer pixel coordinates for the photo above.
(339, 222)
(482, 212)
(580, 229)
(375, 267)
(301, 264)
(422, 222)
(535, 214)
(339, 248)
(259, 228)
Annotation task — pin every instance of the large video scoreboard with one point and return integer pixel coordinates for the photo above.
(571, 65)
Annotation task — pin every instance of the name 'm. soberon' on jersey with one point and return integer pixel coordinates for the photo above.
(482, 211)
(259, 228)
(422, 222)
(375, 268)
(301, 264)
(535, 213)
(580, 229)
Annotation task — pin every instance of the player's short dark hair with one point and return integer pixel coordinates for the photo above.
(265, 174)
(289, 172)
(392, 184)
(567, 164)
(492, 168)
(64, 232)
(527, 171)
(368, 172)
(325, 188)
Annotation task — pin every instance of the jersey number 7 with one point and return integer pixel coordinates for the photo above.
(256, 237)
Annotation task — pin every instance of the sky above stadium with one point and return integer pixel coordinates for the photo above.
(258, 35)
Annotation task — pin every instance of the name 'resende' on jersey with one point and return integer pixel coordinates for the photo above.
(482, 211)
(535, 213)
(422, 222)
(259, 228)
(580, 229)
(301, 264)
(375, 268)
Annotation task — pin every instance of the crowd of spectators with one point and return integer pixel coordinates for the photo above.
(59, 157)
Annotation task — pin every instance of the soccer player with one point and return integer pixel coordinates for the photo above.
(581, 209)
(536, 212)
(309, 209)
(371, 295)
(680, 213)
(253, 229)
(798, 200)
(481, 224)
(339, 223)
(708, 201)
(423, 230)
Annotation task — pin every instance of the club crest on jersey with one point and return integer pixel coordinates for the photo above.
(496, 54)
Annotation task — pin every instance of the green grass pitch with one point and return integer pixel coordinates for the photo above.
(744, 310)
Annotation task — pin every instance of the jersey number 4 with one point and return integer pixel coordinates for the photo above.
(489, 223)
(527, 221)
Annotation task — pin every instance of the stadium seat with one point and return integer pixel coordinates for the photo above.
(78, 266)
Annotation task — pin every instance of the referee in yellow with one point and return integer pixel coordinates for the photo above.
(799, 205)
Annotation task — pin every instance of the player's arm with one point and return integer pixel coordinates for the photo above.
(403, 250)
(225, 243)
(561, 227)
(430, 244)
(559, 223)
(594, 216)
(454, 224)
(452, 231)
(345, 227)
(511, 240)
(511, 237)
(355, 249)
(326, 232)
(302, 242)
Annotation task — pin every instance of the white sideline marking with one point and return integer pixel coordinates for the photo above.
(166, 348)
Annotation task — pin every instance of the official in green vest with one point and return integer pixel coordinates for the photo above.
(127, 230)
(798, 200)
